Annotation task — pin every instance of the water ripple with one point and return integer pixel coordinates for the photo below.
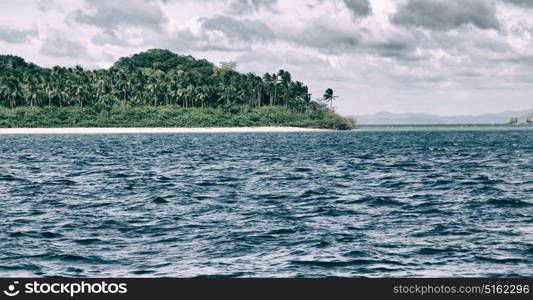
(359, 204)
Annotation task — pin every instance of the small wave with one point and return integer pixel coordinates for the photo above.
(487, 189)
(429, 210)
(274, 196)
(356, 253)
(509, 202)
(365, 156)
(88, 241)
(224, 179)
(273, 158)
(206, 183)
(35, 234)
(328, 264)
(226, 275)
(487, 180)
(10, 178)
(404, 164)
(73, 258)
(469, 182)
(120, 175)
(441, 182)
(51, 235)
(160, 200)
(293, 177)
(143, 272)
(509, 260)
(330, 211)
(282, 231)
(424, 197)
(37, 212)
(315, 192)
(303, 170)
(378, 201)
(20, 267)
(435, 251)
(393, 184)
(17, 234)
(441, 229)
(66, 182)
(165, 240)
(164, 178)
(322, 244)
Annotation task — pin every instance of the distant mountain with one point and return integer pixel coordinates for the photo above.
(387, 118)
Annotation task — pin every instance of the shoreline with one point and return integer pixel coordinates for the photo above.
(158, 130)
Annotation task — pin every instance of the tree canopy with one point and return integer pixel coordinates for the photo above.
(152, 78)
(155, 77)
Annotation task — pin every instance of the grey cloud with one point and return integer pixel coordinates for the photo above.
(185, 40)
(447, 14)
(358, 8)
(493, 45)
(62, 47)
(239, 7)
(238, 30)
(249, 6)
(517, 60)
(112, 15)
(45, 5)
(269, 58)
(109, 38)
(523, 3)
(394, 48)
(472, 45)
(16, 36)
(420, 77)
(327, 39)
(403, 46)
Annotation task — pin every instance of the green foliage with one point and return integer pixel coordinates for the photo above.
(156, 87)
(164, 116)
(165, 61)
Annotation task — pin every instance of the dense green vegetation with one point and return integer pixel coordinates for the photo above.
(156, 88)
(164, 116)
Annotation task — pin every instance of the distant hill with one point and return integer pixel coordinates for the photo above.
(165, 61)
(387, 118)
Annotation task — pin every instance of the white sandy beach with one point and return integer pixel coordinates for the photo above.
(24, 131)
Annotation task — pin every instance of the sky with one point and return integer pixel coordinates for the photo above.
(447, 57)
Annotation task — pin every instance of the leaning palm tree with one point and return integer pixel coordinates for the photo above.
(329, 97)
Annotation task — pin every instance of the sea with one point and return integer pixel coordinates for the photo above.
(379, 201)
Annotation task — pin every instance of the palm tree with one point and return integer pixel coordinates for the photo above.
(34, 93)
(285, 80)
(329, 97)
(269, 87)
(175, 80)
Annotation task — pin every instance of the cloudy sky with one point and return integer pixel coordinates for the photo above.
(432, 56)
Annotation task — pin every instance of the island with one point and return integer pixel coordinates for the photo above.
(158, 88)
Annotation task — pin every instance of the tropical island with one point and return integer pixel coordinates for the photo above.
(158, 88)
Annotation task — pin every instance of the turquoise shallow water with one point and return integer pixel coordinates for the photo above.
(368, 203)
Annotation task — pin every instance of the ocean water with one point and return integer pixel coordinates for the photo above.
(369, 203)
